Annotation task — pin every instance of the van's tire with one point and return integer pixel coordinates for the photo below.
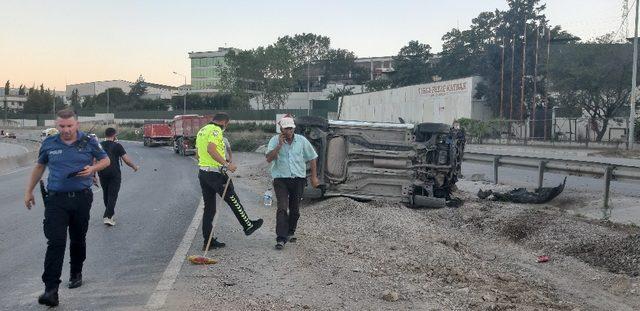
(180, 147)
(425, 131)
(432, 128)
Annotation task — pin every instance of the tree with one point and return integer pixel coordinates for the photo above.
(378, 85)
(463, 51)
(337, 93)
(275, 75)
(138, 89)
(40, 100)
(22, 90)
(593, 77)
(7, 87)
(411, 64)
(339, 65)
(75, 100)
(478, 51)
(241, 77)
(305, 49)
(267, 71)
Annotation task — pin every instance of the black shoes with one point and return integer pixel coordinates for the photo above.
(49, 298)
(255, 225)
(280, 245)
(214, 244)
(75, 280)
(292, 238)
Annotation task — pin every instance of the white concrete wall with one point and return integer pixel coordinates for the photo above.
(441, 102)
(299, 100)
(296, 100)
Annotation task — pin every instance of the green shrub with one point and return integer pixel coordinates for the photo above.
(251, 127)
(130, 134)
(477, 130)
(244, 145)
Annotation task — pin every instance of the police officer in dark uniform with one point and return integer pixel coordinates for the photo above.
(72, 158)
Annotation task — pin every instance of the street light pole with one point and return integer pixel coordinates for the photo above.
(632, 102)
(184, 101)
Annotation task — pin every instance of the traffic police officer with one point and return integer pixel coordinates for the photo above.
(213, 164)
(69, 156)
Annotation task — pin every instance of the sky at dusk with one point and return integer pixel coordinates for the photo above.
(73, 41)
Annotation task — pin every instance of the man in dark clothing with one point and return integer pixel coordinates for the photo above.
(111, 177)
(72, 158)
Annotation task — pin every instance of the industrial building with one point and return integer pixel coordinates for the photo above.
(154, 90)
(206, 69)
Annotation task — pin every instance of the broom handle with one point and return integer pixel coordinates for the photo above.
(215, 217)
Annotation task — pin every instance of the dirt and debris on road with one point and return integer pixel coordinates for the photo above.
(383, 256)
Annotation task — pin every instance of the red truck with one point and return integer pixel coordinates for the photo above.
(157, 133)
(184, 129)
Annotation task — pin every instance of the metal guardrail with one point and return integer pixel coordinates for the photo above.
(596, 169)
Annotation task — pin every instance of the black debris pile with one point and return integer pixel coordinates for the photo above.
(522, 195)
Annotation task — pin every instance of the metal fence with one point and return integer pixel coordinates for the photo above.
(595, 169)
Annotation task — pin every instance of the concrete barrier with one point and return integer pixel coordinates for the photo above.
(21, 160)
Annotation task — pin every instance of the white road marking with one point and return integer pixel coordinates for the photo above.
(159, 295)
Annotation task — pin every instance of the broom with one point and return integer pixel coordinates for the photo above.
(204, 260)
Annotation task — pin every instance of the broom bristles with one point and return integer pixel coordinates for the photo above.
(201, 260)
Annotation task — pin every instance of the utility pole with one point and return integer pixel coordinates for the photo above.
(184, 100)
(502, 81)
(308, 86)
(632, 104)
(513, 59)
(546, 89)
(524, 69)
(535, 85)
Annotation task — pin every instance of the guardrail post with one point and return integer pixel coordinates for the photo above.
(541, 167)
(496, 164)
(607, 186)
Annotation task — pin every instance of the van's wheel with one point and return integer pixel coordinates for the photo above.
(424, 131)
(180, 147)
(175, 146)
(144, 142)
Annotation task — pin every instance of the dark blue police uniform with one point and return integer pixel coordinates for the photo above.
(67, 203)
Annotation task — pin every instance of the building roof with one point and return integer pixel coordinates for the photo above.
(374, 59)
(221, 52)
(148, 84)
(14, 98)
(161, 86)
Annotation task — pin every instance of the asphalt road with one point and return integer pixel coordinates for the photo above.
(125, 262)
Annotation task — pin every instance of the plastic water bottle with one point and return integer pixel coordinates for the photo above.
(268, 198)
